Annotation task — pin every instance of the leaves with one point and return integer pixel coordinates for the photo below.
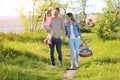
(34, 17)
(106, 23)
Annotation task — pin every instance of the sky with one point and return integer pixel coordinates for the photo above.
(97, 6)
(7, 7)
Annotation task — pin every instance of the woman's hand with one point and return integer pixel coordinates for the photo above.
(64, 39)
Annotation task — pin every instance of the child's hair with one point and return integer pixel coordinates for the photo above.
(47, 12)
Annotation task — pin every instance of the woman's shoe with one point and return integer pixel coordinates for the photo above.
(71, 68)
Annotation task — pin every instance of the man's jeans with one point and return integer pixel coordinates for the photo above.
(74, 46)
(57, 42)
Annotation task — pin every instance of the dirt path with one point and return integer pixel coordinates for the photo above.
(69, 74)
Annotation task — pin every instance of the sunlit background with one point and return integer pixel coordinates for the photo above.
(11, 22)
(8, 7)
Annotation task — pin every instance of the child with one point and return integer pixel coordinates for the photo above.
(46, 25)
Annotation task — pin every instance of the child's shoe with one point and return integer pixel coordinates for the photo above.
(49, 42)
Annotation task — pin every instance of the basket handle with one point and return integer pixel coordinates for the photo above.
(84, 43)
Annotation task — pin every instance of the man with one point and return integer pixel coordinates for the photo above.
(57, 26)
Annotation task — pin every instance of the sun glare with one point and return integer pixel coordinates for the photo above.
(8, 7)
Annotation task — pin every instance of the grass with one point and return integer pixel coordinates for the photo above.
(24, 57)
(104, 64)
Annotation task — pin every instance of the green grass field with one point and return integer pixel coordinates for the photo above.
(24, 57)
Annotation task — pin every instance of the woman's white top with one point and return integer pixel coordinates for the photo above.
(72, 34)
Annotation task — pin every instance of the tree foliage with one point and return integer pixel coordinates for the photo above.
(34, 17)
(116, 5)
(107, 22)
(78, 7)
(24, 20)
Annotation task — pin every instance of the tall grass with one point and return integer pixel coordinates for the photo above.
(24, 57)
(105, 62)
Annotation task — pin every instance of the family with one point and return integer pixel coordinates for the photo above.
(54, 25)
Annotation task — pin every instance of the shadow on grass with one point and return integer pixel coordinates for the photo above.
(12, 54)
(108, 60)
(28, 75)
(101, 61)
(30, 39)
(25, 37)
(25, 60)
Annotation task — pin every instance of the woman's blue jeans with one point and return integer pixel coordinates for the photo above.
(57, 42)
(74, 46)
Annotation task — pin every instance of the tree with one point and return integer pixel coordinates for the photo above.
(83, 14)
(106, 23)
(78, 7)
(25, 22)
(83, 9)
(116, 5)
(35, 16)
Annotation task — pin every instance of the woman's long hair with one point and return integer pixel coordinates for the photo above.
(71, 16)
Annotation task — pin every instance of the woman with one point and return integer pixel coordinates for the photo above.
(73, 32)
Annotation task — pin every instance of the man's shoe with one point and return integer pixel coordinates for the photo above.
(60, 63)
(52, 66)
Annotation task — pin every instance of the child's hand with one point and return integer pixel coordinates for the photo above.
(48, 30)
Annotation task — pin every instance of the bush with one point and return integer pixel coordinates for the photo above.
(106, 23)
(85, 30)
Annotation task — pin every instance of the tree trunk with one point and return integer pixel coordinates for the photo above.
(33, 17)
(83, 12)
(84, 4)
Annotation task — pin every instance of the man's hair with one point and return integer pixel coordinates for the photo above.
(57, 9)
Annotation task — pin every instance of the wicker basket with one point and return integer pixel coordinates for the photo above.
(84, 51)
